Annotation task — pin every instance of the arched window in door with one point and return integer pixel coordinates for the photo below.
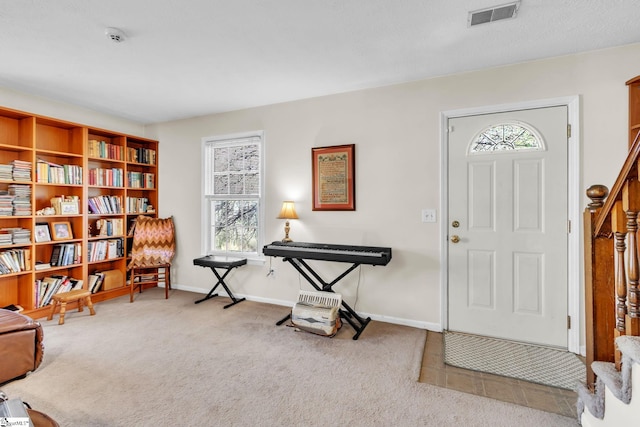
(507, 137)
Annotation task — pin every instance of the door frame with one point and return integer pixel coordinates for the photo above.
(575, 262)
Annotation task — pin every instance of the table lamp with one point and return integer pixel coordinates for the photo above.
(287, 212)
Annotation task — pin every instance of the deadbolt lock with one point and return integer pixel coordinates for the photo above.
(455, 224)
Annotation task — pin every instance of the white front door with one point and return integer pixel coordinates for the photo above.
(508, 225)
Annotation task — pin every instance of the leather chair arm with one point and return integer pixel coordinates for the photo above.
(10, 321)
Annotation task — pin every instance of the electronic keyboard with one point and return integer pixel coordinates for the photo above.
(372, 255)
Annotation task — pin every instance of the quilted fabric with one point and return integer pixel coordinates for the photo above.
(153, 242)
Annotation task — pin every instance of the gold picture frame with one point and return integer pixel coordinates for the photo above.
(334, 178)
(61, 230)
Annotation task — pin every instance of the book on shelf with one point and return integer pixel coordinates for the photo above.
(110, 227)
(140, 180)
(21, 170)
(137, 204)
(19, 235)
(17, 170)
(53, 173)
(105, 204)
(141, 155)
(66, 254)
(47, 287)
(112, 177)
(100, 250)
(21, 201)
(42, 265)
(105, 150)
(15, 261)
(95, 282)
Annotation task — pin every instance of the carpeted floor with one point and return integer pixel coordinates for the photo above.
(160, 362)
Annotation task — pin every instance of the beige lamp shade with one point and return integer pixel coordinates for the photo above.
(288, 211)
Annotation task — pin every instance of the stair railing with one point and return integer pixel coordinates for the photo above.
(612, 272)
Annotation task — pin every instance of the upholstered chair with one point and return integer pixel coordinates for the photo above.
(152, 250)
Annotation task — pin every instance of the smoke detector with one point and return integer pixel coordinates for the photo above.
(114, 34)
(492, 14)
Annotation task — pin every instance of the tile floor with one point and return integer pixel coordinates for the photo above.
(434, 371)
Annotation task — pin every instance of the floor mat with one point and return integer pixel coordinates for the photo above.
(527, 362)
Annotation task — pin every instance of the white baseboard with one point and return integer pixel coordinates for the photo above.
(435, 327)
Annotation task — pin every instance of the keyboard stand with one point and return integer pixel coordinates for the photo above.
(356, 321)
(224, 263)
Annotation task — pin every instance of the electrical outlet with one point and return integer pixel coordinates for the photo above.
(428, 215)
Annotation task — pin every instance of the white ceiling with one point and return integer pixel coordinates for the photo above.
(185, 58)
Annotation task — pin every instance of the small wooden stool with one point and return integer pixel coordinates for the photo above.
(63, 298)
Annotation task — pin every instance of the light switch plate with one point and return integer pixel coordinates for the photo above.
(428, 215)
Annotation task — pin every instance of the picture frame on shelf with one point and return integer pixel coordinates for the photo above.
(41, 232)
(61, 230)
(333, 178)
(69, 208)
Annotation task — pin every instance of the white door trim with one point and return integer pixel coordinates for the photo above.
(574, 259)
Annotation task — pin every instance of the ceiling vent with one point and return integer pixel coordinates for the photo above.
(496, 13)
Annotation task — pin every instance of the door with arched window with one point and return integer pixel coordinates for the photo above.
(508, 225)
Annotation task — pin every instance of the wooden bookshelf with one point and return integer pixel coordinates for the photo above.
(79, 163)
(634, 108)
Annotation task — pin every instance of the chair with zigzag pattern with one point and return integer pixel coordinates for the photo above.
(152, 250)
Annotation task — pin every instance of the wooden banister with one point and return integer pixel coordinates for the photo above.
(629, 171)
(612, 263)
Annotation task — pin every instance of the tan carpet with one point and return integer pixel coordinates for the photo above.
(160, 362)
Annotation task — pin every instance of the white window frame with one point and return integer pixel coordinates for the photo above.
(206, 213)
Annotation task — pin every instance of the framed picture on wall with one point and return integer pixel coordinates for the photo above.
(334, 183)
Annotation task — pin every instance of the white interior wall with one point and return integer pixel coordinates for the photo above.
(396, 132)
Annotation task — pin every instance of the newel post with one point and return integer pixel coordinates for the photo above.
(599, 284)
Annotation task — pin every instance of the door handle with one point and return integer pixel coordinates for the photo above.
(455, 239)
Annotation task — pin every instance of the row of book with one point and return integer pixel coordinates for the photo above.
(141, 155)
(137, 204)
(15, 261)
(96, 280)
(113, 177)
(14, 236)
(105, 204)
(47, 287)
(105, 150)
(16, 200)
(53, 173)
(110, 227)
(21, 199)
(140, 180)
(101, 250)
(66, 254)
(17, 170)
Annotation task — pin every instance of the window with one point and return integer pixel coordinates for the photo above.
(232, 194)
(506, 137)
